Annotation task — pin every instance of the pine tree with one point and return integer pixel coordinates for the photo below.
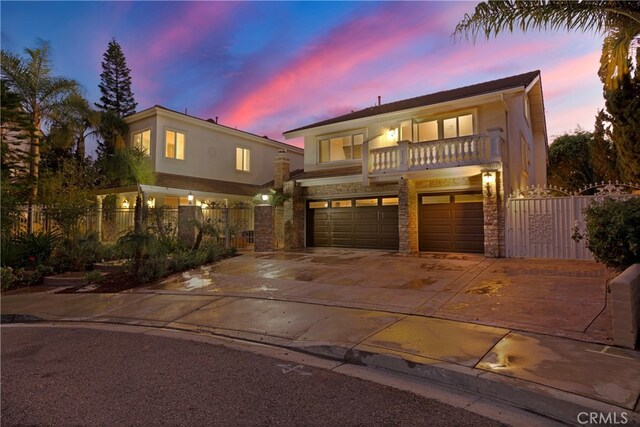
(623, 106)
(115, 82)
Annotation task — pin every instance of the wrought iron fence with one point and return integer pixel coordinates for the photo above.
(234, 225)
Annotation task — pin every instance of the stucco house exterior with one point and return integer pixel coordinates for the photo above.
(423, 174)
(200, 160)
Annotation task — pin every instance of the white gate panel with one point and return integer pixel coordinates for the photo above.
(540, 225)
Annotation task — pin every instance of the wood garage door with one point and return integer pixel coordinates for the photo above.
(370, 223)
(451, 222)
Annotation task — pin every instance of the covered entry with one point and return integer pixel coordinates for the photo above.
(370, 223)
(451, 222)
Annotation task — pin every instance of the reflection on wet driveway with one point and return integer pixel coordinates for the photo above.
(564, 298)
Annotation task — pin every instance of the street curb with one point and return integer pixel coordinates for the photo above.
(19, 318)
(536, 398)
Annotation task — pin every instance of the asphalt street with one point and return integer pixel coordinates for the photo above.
(77, 376)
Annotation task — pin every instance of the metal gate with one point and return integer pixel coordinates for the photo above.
(541, 221)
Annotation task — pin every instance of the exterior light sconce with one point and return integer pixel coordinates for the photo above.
(392, 135)
(125, 204)
(151, 202)
(488, 181)
(190, 198)
(264, 197)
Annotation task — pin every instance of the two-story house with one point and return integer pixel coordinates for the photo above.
(425, 174)
(199, 161)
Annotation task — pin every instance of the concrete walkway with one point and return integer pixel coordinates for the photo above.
(375, 325)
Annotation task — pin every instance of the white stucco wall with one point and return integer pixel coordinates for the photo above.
(210, 150)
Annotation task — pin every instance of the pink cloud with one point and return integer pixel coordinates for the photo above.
(332, 59)
(172, 36)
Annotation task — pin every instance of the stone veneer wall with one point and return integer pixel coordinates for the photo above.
(264, 230)
(493, 207)
(407, 216)
(188, 218)
(354, 189)
(294, 214)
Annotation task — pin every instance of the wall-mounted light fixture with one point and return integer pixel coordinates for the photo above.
(190, 198)
(488, 181)
(125, 204)
(264, 197)
(392, 135)
(151, 202)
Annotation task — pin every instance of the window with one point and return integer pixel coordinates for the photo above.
(366, 202)
(341, 204)
(318, 205)
(174, 145)
(348, 147)
(450, 127)
(389, 201)
(243, 159)
(142, 141)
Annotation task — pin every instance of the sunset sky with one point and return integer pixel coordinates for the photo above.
(267, 67)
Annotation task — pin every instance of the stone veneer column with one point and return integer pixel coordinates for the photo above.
(491, 203)
(407, 216)
(294, 213)
(189, 217)
(282, 167)
(264, 231)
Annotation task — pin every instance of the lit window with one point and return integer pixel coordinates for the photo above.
(428, 131)
(335, 149)
(174, 145)
(243, 159)
(366, 202)
(142, 141)
(341, 204)
(389, 201)
(318, 205)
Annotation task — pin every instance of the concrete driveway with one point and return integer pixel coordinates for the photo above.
(562, 298)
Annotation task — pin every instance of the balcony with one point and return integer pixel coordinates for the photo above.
(445, 153)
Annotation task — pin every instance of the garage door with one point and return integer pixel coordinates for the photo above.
(451, 222)
(370, 223)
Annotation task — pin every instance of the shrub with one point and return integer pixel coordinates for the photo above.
(79, 254)
(94, 277)
(152, 268)
(36, 248)
(7, 278)
(613, 232)
(11, 254)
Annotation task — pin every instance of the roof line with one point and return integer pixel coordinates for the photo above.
(212, 122)
(491, 86)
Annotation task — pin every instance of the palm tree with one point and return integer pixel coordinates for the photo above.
(619, 21)
(41, 94)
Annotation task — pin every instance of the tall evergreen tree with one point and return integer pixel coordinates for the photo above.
(115, 82)
(623, 107)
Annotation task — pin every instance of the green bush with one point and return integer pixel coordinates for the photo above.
(79, 254)
(94, 277)
(613, 232)
(151, 269)
(7, 278)
(36, 248)
(11, 253)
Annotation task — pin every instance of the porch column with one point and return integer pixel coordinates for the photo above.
(189, 217)
(407, 216)
(294, 209)
(264, 231)
(99, 200)
(491, 201)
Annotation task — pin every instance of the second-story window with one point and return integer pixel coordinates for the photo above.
(142, 141)
(243, 159)
(174, 145)
(347, 147)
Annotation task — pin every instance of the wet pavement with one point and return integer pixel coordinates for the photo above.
(534, 333)
(555, 297)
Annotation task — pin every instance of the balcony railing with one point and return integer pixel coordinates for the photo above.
(414, 156)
